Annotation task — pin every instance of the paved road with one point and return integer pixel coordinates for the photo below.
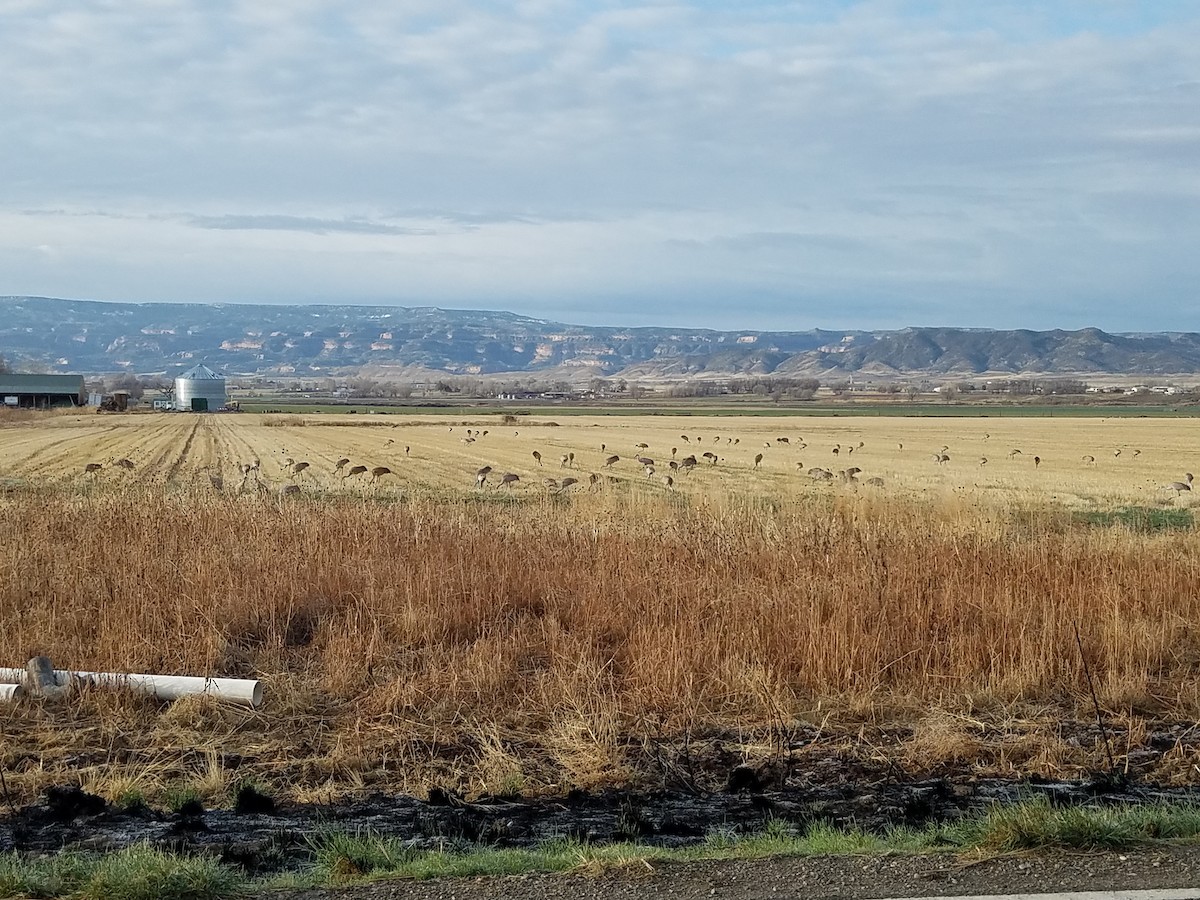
(1165, 873)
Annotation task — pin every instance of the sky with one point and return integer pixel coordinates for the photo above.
(738, 164)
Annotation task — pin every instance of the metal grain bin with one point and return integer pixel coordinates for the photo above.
(200, 389)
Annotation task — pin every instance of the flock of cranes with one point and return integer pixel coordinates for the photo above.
(667, 470)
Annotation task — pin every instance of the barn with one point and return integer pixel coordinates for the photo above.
(41, 391)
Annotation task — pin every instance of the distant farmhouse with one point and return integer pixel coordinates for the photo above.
(41, 391)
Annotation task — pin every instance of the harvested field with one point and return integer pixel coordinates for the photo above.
(1085, 464)
(750, 627)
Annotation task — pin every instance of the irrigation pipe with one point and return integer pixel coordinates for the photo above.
(10, 692)
(240, 691)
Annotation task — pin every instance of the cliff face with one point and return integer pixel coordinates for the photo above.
(86, 336)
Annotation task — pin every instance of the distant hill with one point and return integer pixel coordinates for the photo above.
(87, 336)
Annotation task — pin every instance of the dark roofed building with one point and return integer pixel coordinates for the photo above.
(41, 391)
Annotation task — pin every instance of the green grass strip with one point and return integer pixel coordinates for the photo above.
(141, 873)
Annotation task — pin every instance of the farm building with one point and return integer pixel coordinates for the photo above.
(41, 391)
(200, 389)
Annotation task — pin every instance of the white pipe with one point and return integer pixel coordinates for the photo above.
(11, 692)
(243, 692)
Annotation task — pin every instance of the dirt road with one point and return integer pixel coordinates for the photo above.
(818, 878)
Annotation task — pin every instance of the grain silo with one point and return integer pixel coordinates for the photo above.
(199, 389)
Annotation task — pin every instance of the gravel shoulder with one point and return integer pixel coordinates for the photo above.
(816, 878)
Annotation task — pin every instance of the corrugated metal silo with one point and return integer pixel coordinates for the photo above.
(199, 389)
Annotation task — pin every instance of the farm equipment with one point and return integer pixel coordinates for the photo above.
(117, 402)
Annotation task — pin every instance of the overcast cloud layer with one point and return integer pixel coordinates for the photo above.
(732, 164)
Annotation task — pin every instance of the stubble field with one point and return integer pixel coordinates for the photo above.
(1081, 463)
(414, 630)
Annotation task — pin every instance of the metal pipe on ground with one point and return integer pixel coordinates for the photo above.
(240, 691)
(11, 692)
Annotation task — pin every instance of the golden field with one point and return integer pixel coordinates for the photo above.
(181, 450)
(416, 631)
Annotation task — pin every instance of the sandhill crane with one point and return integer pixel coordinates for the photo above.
(649, 470)
(941, 458)
(837, 448)
(1089, 460)
(297, 469)
(287, 463)
(641, 446)
(782, 440)
(737, 441)
(567, 482)
(562, 461)
(717, 439)
(391, 441)
(481, 474)
(407, 448)
(603, 447)
(550, 483)
(354, 470)
(686, 465)
(645, 461)
(1013, 453)
(685, 438)
(699, 439)
(875, 481)
(729, 440)
(1137, 453)
(900, 446)
(92, 468)
(711, 457)
(819, 474)
(766, 445)
(1180, 486)
(669, 482)
(674, 450)
(853, 471)
(611, 461)
(593, 481)
(571, 459)
(758, 458)
(1037, 461)
(673, 465)
(379, 471)
(339, 465)
(538, 457)
(466, 440)
(1117, 453)
(126, 464)
(508, 479)
(983, 460)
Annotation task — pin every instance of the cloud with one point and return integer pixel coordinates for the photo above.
(552, 154)
(302, 223)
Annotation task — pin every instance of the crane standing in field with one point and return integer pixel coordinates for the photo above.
(1180, 486)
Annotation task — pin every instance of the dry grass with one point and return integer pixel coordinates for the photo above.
(539, 645)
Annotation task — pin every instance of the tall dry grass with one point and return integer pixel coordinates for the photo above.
(534, 643)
